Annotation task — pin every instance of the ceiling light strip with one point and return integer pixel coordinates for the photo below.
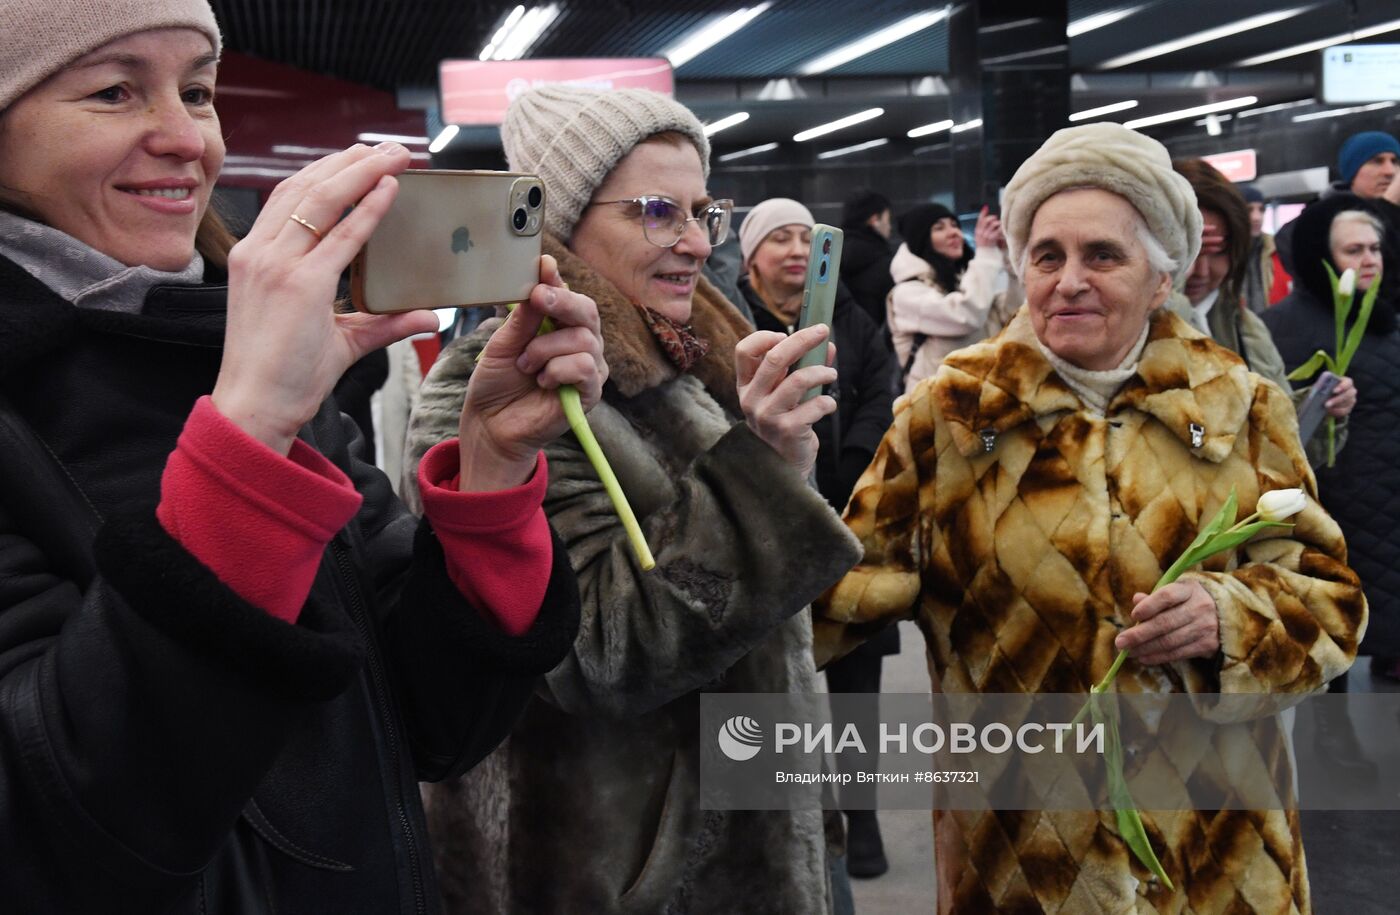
(441, 140)
(751, 151)
(1199, 38)
(707, 36)
(1197, 111)
(1319, 44)
(1099, 20)
(847, 150)
(1090, 113)
(726, 122)
(925, 130)
(822, 130)
(1338, 112)
(873, 42)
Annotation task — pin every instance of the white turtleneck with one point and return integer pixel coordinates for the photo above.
(1096, 389)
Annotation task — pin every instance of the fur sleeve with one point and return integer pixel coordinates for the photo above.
(884, 515)
(1292, 613)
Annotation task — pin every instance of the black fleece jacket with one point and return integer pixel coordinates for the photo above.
(164, 745)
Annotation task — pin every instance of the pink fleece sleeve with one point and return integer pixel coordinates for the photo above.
(258, 520)
(498, 546)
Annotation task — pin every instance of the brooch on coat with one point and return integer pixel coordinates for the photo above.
(1198, 435)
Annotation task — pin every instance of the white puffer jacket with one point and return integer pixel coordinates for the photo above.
(948, 320)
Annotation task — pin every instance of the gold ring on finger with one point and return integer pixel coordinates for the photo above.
(302, 222)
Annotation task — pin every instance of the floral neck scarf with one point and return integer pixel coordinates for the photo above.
(680, 344)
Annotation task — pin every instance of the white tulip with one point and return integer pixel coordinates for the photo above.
(1347, 284)
(1278, 504)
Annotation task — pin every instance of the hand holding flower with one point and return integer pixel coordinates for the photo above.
(1175, 623)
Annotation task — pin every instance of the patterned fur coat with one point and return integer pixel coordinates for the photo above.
(1015, 525)
(592, 804)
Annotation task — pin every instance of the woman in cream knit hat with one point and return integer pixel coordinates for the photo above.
(228, 654)
(1031, 493)
(593, 804)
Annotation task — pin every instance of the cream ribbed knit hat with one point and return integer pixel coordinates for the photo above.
(572, 137)
(773, 213)
(1113, 158)
(39, 37)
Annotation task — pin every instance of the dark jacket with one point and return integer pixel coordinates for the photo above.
(864, 392)
(865, 269)
(166, 746)
(1363, 490)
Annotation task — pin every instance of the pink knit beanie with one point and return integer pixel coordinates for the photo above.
(40, 37)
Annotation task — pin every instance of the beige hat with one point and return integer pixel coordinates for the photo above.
(40, 37)
(573, 137)
(773, 213)
(1113, 158)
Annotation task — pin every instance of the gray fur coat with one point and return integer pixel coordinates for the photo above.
(592, 804)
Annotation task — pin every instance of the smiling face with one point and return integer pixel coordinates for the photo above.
(780, 261)
(121, 148)
(610, 238)
(947, 238)
(1212, 265)
(1089, 283)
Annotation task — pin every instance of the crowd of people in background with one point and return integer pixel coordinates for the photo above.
(231, 647)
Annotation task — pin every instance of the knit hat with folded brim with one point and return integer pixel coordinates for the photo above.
(1113, 158)
(573, 137)
(40, 37)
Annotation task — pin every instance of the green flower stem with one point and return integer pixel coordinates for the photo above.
(1183, 562)
(578, 424)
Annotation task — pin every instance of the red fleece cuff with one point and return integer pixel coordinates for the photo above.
(498, 547)
(256, 519)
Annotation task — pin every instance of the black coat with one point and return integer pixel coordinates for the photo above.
(864, 393)
(166, 746)
(1363, 490)
(865, 269)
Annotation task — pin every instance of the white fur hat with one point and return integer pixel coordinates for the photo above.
(573, 137)
(1113, 158)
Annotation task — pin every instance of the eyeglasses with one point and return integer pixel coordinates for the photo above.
(663, 222)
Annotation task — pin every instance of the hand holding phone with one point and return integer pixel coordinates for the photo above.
(819, 291)
(452, 239)
(1314, 407)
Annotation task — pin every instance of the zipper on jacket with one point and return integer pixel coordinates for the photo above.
(359, 614)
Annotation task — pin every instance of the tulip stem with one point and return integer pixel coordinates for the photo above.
(578, 424)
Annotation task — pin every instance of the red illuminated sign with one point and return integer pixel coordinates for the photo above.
(1242, 165)
(478, 92)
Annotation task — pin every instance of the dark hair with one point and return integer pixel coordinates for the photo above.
(861, 205)
(1214, 192)
(914, 228)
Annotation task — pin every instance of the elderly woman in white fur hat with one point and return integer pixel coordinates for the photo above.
(1030, 494)
(228, 654)
(592, 805)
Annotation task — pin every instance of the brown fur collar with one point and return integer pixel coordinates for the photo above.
(1184, 379)
(635, 362)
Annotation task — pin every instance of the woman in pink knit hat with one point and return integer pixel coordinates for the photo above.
(228, 654)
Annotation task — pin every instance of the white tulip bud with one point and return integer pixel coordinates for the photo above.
(1347, 284)
(1278, 504)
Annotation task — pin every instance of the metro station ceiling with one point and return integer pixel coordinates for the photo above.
(394, 43)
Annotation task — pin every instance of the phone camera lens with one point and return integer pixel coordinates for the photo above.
(826, 246)
(821, 271)
(536, 197)
(519, 218)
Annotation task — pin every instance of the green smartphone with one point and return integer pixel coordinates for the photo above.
(819, 292)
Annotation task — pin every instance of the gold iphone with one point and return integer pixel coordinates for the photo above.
(452, 238)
